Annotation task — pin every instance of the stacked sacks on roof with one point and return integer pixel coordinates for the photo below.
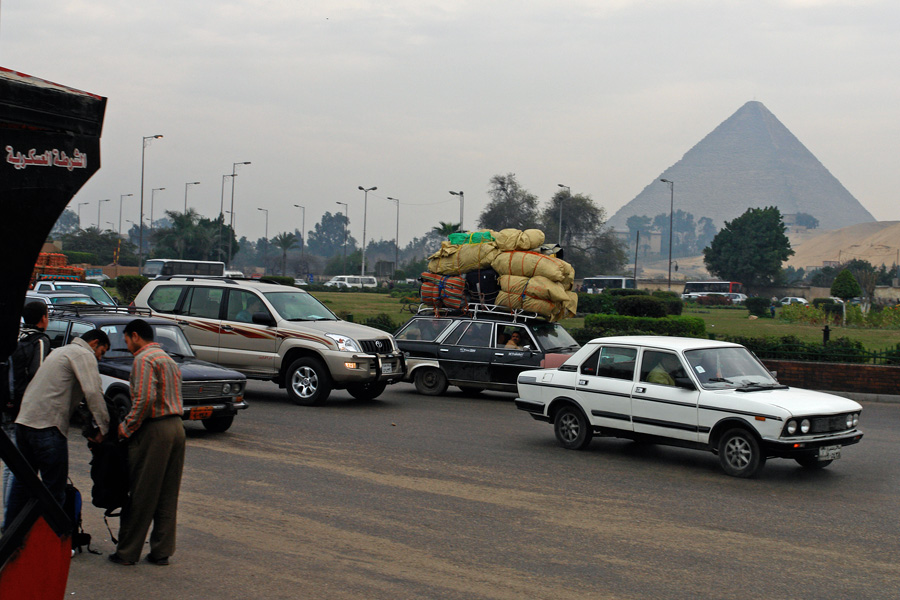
(506, 268)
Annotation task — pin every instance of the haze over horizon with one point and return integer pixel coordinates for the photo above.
(422, 98)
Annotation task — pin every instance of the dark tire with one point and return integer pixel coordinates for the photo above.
(308, 382)
(122, 402)
(431, 381)
(366, 391)
(739, 453)
(812, 462)
(471, 391)
(572, 428)
(218, 424)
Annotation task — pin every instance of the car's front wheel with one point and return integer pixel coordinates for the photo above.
(812, 462)
(122, 402)
(366, 391)
(218, 424)
(431, 381)
(739, 453)
(572, 428)
(308, 382)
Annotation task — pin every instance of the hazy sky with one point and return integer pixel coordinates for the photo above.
(419, 97)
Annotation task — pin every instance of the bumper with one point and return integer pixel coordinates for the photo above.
(803, 446)
(535, 409)
(357, 367)
(215, 407)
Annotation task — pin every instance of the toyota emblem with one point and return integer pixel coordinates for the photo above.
(378, 344)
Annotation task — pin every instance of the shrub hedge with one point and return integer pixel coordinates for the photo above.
(128, 286)
(625, 325)
(758, 306)
(790, 347)
(640, 306)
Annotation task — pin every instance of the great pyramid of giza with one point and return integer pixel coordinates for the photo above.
(750, 160)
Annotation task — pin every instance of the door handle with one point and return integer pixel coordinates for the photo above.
(182, 323)
(639, 390)
(227, 327)
(499, 354)
(445, 350)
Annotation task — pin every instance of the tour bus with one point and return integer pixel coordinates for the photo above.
(598, 283)
(692, 289)
(156, 267)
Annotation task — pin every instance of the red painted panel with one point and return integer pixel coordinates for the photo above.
(39, 570)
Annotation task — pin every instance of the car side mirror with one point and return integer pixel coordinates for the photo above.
(262, 318)
(684, 383)
(774, 374)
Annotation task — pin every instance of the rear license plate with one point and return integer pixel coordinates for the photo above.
(387, 369)
(200, 412)
(829, 452)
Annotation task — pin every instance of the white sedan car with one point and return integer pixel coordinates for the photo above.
(694, 393)
(793, 300)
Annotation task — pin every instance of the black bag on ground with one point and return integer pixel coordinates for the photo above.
(72, 506)
(109, 467)
(482, 286)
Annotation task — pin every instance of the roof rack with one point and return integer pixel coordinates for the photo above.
(90, 309)
(197, 277)
(475, 310)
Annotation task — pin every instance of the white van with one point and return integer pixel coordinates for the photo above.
(352, 281)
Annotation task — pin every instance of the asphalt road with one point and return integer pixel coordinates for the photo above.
(466, 497)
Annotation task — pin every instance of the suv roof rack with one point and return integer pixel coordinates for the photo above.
(197, 277)
(90, 309)
(475, 310)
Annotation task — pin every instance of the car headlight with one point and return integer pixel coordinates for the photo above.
(850, 421)
(804, 426)
(344, 343)
(226, 389)
(792, 427)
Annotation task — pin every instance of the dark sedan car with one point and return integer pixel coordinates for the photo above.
(477, 353)
(211, 394)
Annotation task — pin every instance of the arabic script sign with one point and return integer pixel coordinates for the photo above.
(50, 158)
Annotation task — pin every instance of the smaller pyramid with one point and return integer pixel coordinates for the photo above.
(751, 160)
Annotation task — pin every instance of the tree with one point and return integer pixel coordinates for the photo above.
(327, 238)
(190, 237)
(284, 241)
(66, 223)
(442, 230)
(706, 231)
(806, 220)
(510, 206)
(750, 248)
(845, 287)
(102, 244)
(584, 222)
(637, 223)
(867, 277)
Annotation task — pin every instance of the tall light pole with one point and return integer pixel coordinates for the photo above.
(302, 233)
(266, 255)
(362, 269)
(396, 240)
(99, 204)
(222, 216)
(231, 212)
(152, 200)
(80, 204)
(671, 185)
(462, 200)
(568, 189)
(121, 197)
(185, 192)
(144, 143)
(346, 219)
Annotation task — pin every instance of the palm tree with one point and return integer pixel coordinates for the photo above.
(285, 241)
(445, 229)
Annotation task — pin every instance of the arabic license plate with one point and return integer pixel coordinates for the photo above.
(387, 369)
(829, 452)
(200, 412)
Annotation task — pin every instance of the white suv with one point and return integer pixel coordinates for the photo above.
(692, 393)
(278, 333)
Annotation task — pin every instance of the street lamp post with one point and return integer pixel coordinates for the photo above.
(671, 185)
(568, 189)
(99, 204)
(266, 255)
(365, 210)
(185, 193)
(80, 204)
(396, 241)
(121, 197)
(222, 212)
(346, 219)
(302, 233)
(233, 174)
(462, 199)
(141, 235)
(152, 200)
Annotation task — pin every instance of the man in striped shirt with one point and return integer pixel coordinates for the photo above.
(155, 437)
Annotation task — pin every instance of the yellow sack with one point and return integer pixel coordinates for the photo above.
(530, 264)
(553, 311)
(536, 287)
(456, 260)
(515, 239)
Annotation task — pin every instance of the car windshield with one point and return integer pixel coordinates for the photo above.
(426, 330)
(299, 306)
(552, 337)
(169, 337)
(98, 294)
(72, 299)
(719, 368)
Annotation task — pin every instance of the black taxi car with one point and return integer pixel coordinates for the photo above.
(484, 350)
(212, 394)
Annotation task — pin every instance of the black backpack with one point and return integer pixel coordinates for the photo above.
(72, 506)
(109, 469)
(16, 373)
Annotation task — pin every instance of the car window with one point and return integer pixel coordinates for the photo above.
(589, 366)
(513, 337)
(456, 333)
(478, 334)
(426, 330)
(242, 305)
(299, 306)
(661, 367)
(617, 363)
(56, 331)
(79, 329)
(203, 302)
(552, 337)
(164, 298)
